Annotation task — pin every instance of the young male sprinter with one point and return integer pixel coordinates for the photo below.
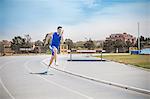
(54, 45)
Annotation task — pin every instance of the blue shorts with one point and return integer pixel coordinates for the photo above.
(52, 49)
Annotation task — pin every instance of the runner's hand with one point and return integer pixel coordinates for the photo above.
(62, 32)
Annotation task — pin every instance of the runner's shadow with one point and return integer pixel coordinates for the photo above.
(40, 73)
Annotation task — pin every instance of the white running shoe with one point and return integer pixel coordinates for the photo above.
(56, 64)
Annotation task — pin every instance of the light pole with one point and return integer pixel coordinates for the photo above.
(138, 36)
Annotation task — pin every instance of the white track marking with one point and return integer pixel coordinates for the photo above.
(139, 90)
(76, 92)
(5, 64)
(3, 83)
(6, 89)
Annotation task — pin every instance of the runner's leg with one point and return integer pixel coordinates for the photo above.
(55, 56)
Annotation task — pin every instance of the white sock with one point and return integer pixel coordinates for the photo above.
(56, 63)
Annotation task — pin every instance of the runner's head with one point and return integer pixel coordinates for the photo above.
(59, 29)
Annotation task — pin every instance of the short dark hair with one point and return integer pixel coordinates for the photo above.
(59, 27)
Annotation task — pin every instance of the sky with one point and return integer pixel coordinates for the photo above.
(80, 19)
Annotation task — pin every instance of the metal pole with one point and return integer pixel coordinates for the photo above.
(101, 55)
(138, 36)
(70, 55)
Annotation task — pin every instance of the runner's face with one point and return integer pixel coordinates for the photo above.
(59, 30)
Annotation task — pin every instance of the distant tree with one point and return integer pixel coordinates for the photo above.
(28, 43)
(147, 41)
(89, 44)
(78, 44)
(128, 45)
(142, 38)
(109, 46)
(1, 48)
(112, 46)
(121, 45)
(39, 43)
(69, 42)
(17, 43)
(143, 42)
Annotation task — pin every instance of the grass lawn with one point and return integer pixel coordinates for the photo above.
(137, 60)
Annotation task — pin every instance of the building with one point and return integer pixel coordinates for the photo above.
(6, 48)
(123, 37)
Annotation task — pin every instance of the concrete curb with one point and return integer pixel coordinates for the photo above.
(139, 90)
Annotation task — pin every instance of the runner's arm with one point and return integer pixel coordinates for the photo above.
(62, 39)
(47, 37)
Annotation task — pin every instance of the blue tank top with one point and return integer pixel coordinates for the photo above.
(55, 40)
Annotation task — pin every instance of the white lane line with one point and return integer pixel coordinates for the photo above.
(76, 92)
(3, 83)
(6, 64)
(139, 90)
(26, 67)
(6, 89)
